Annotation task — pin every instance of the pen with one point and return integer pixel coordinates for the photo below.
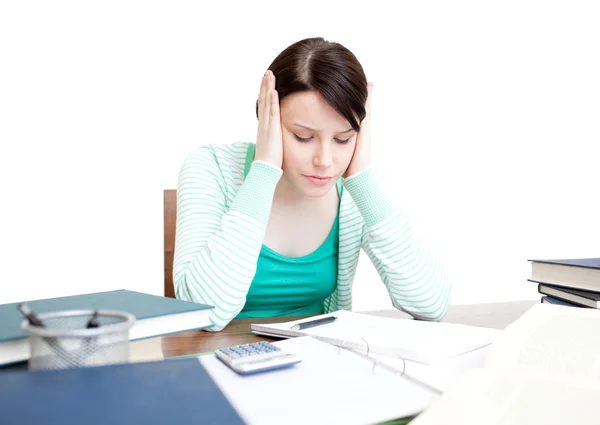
(313, 323)
(69, 358)
(34, 320)
(93, 322)
(30, 316)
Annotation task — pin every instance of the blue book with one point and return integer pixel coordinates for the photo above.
(578, 273)
(575, 296)
(551, 300)
(154, 315)
(177, 391)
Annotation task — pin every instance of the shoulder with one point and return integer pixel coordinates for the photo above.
(229, 155)
(225, 160)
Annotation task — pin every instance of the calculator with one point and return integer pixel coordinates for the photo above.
(256, 357)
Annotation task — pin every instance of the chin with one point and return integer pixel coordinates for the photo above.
(316, 193)
(313, 191)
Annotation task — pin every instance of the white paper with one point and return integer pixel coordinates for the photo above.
(553, 339)
(493, 397)
(440, 375)
(325, 388)
(420, 341)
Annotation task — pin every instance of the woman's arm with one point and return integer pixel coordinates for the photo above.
(415, 281)
(217, 249)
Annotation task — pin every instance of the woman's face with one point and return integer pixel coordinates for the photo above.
(318, 143)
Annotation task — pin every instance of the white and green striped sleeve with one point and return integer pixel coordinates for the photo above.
(217, 249)
(415, 281)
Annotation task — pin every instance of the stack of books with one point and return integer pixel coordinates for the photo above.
(574, 282)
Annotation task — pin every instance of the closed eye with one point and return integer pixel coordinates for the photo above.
(302, 139)
(342, 142)
(308, 139)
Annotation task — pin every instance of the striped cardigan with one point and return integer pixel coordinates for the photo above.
(222, 219)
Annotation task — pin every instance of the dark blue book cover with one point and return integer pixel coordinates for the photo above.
(590, 295)
(142, 306)
(177, 391)
(592, 263)
(552, 300)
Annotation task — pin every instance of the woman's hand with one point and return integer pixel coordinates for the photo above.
(362, 150)
(269, 142)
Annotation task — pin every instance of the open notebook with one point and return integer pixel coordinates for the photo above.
(329, 386)
(419, 341)
(543, 369)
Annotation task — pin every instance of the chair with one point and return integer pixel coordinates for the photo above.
(170, 218)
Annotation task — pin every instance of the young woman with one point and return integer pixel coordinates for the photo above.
(275, 228)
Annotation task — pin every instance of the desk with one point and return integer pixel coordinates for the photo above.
(492, 315)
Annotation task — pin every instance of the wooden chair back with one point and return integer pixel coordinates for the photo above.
(170, 218)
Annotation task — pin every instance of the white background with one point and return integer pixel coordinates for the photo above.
(486, 129)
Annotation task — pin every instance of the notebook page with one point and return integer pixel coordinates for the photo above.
(551, 339)
(421, 341)
(439, 375)
(490, 397)
(325, 388)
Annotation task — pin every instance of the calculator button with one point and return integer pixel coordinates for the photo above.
(255, 357)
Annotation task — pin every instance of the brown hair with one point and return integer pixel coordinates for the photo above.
(327, 67)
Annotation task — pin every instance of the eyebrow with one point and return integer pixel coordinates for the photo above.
(312, 129)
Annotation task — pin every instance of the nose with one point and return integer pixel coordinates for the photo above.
(322, 156)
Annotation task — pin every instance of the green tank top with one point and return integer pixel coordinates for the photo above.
(288, 286)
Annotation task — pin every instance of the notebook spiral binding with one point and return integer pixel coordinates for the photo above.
(402, 373)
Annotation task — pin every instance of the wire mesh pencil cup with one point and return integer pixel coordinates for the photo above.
(65, 342)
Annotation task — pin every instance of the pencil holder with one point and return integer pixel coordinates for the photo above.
(67, 341)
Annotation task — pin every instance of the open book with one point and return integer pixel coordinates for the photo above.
(419, 341)
(543, 369)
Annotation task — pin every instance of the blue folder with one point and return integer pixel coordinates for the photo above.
(177, 391)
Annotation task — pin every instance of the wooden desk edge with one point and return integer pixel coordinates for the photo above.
(494, 315)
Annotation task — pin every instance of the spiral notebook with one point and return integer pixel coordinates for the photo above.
(419, 341)
(329, 386)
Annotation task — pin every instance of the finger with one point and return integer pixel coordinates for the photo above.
(269, 92)
(274, 107)
(273, 95)
(262, 104)
(259, 102)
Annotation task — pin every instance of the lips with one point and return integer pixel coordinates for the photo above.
(318, 180)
